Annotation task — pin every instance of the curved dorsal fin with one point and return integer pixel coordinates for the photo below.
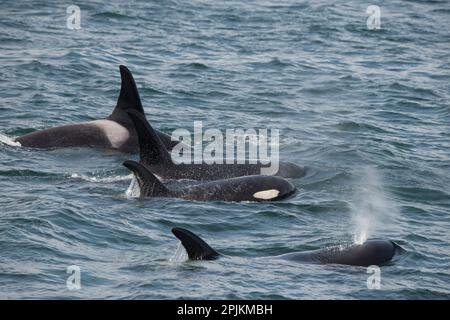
(150, 185)
(151, 148)
(128, 98)
(196, 248)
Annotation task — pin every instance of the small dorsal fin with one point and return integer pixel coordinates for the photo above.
(151, 149)
(196, 248)
(129, 96)
(150, 185)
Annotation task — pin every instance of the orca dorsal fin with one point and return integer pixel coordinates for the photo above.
(129, 98)
(151, 149)
(196, 248)
(149, 184)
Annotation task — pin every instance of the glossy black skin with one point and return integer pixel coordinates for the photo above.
(237, 189)
(208, 172)
(371, 252)
(234, 189)
(155, 156)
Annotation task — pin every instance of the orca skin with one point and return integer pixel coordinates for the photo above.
(248, 188)
(155, 156)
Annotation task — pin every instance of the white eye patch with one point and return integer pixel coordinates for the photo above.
(266, 194)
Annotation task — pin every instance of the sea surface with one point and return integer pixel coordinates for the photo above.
(366, 111)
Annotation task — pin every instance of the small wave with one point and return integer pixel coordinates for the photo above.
(198, 65)
(193, 66)
(101, 179)
(152, 91)
(9, 141)
(113, 15)
(441, 10)
(274, 63)
(26, 173)
(414, 91)
(355, 126)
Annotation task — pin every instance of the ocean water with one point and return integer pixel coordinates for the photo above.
(367, 111)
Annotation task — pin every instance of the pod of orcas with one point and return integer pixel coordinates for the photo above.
(126, 129)
(118, 131)
(371, 252)
(232, 182)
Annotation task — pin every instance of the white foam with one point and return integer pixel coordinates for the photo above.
(9, 141)
(180, 254)
(101, 179)
(133, 190)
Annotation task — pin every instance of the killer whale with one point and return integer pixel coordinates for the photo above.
(155, 156)
(248, 188)
(114, 132)
(371, 252)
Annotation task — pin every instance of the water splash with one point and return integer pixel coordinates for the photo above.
(9, 141)
(133, 190)
(180, 254)
(372, 209)
(99, 179)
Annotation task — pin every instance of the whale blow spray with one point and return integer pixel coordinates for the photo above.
(372, 209)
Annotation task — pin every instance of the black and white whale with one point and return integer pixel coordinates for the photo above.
(248, 188)
(115, 132)
(155, 156)
(371, 252)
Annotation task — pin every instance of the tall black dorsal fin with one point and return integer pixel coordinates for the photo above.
(129, 96)
(151, 148)
(150, 185)
(196, 248)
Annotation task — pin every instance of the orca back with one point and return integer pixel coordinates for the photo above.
(371, 252)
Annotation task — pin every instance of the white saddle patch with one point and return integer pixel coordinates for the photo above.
(266, 194)
(116, 133)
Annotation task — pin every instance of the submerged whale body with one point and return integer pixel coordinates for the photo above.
(371, 252)
(155, 156)
(115, 132)
(249, 188)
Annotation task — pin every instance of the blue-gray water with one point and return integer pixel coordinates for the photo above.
(367, 111)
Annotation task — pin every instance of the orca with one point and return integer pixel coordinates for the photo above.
(248, 188)
(371, 252)
(115, 132)
(155, 156)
